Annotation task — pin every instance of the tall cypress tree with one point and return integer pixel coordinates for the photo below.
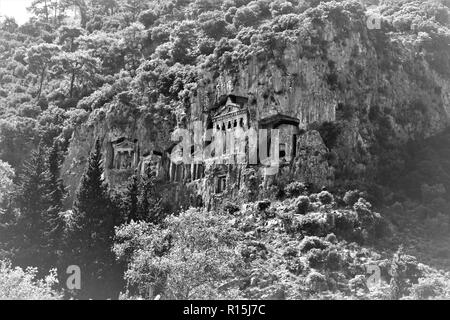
(32, 200)
(56, 186)
(92, 201)
(132, 200)
(53, 222)
(149, 201)
(93, 230)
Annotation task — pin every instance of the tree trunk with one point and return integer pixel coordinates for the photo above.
(46, 11)
(72, 81)
(41, 82)
(83, 12)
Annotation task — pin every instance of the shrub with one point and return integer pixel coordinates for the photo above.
(6, 179)
(253, 250)
(345, 223)
(192, 256)
(19, 284)
(206, 46)
(313, 198)
(302, 204)
(231, 208)
(287, 22)
(294, 189)
(333, 260)
(351, 197)
(295, 266)
(316, 282)
(160, 34)
(428, 288)
(281, 7)
(29, 110)
(290, 252)
(263, 205)
(405, 272)
(358, 283)
(331, 238)
(362, 208)
(287, 219)
(312, 225)
(245, 35)
(213, 24)
(325, 197)
(147, 18)
(245, 16)
(229, 15)
(315, 258)
(309, 243)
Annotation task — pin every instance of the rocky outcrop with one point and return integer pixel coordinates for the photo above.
(311, 163)
(114, 122)
(374, 87)
(353, 91)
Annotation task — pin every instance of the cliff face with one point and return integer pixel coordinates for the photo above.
(119, 120)
(354, 91)
(313, 78)
(376, 88)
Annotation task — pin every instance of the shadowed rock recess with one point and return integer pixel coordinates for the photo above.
(349, 100)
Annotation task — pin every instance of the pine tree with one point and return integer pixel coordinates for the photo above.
(32, 200)
(92, 236)
(131, 200)
(149, 201)
(57, 190)
(53, 222)
(92, 201)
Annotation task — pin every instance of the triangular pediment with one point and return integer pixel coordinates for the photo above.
(275, 120)
(228, 108)
(124, 145)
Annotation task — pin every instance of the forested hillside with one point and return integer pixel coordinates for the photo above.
(380, 100)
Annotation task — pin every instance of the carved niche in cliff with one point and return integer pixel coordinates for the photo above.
(125, 154)
(153, 163)
(178, 171)
(232, 116)
(232, 113)
(288, 129)
(221, 184)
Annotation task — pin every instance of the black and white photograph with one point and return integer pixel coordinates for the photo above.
(224, 154)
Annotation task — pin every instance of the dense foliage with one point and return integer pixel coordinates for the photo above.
(19, 284)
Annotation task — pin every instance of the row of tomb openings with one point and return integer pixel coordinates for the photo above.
(185, 172)
(126, 156)
(188, 173)
(230, 124)
(126, 160)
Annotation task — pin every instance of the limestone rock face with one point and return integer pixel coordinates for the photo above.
(115, 122)
(311, 164)
(375, 87)
(374, 90)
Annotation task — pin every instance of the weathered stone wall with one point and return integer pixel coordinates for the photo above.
(108, 124)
